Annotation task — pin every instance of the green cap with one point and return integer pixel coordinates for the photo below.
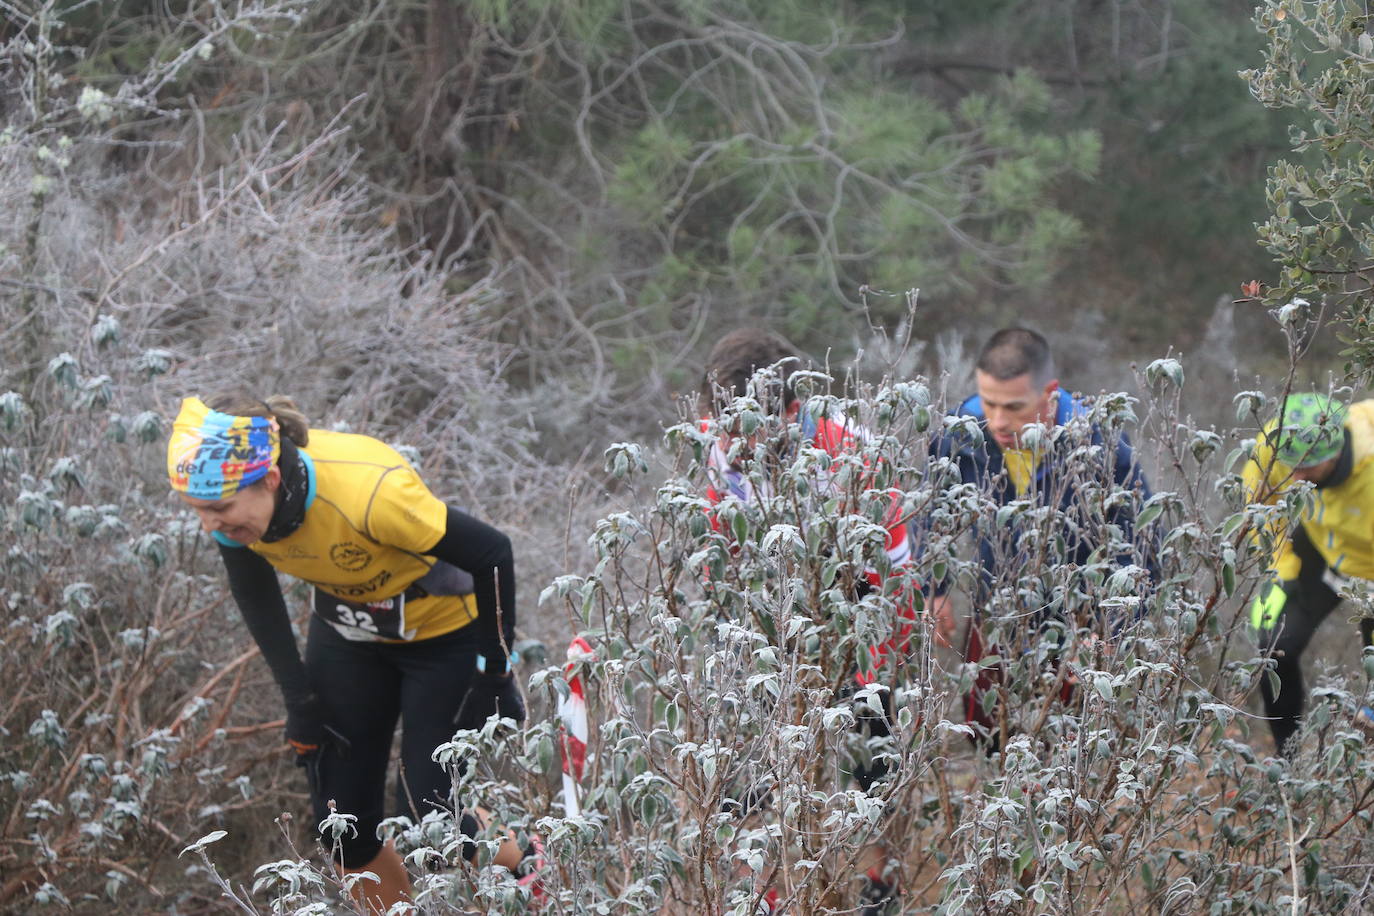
(1313, 430)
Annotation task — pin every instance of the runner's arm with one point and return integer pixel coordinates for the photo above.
(253, 583)
(481, 549)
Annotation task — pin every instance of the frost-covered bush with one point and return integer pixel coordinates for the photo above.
(136, 716)
(723, 702)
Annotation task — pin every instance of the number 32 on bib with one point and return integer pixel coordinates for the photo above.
(378, 620)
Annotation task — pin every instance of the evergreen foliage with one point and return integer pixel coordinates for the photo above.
(1320, 63)
(633, 173)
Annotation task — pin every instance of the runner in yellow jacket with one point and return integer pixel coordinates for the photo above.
(414, 609)
(1320, 441)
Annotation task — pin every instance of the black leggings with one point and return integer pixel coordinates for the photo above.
(365, 687)
(1309, 601)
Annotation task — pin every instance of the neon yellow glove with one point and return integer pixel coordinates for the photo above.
(1268, 604)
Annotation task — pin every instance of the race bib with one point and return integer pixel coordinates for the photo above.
(365, 622)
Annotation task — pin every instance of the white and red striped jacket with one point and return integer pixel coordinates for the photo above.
(835, 439)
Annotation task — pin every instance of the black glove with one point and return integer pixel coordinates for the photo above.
(305, 726)
(307, 732)
(489, 694)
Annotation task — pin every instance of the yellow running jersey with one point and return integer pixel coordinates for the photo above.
(1339, 519)
(368, 523)
(1021, 464)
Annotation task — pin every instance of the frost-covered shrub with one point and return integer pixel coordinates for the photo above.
(723, 704)
(136, 715)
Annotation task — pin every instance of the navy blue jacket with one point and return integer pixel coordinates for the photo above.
(981, 464)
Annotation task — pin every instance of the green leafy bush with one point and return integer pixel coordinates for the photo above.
(1319, 63)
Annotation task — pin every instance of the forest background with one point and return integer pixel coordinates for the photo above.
(504, 234)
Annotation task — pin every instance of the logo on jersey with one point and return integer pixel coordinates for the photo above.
(350, 556)
(292, 552)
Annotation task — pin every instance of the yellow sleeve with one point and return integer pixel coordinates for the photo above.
(1259, 487)
(405, 514)
(1285, 563)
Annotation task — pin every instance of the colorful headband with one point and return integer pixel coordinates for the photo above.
(213, 455)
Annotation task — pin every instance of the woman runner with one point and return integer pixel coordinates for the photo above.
(414, 608)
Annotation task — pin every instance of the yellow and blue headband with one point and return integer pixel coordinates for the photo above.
(213, 455)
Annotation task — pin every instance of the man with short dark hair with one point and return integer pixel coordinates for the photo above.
(1014, 352)
(1017, 456)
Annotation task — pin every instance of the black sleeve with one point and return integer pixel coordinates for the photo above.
(253, 583)
(486, 553)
